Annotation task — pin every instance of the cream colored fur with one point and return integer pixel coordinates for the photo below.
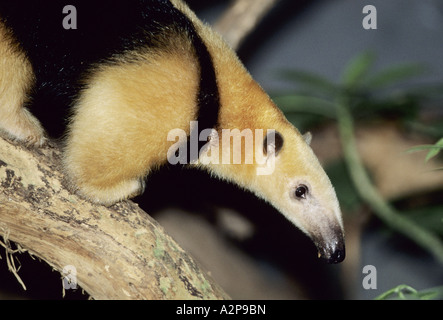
(16, 79)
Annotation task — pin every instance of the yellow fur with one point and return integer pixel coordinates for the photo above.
(16, 79)
(129, 108)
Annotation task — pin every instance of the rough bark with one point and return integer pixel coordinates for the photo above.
(119, 252)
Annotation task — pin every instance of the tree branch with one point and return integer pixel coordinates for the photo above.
(241, 18)
(119, 252)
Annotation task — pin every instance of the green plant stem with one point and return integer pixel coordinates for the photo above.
(369, 193)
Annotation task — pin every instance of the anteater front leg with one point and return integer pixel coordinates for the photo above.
(16, 80)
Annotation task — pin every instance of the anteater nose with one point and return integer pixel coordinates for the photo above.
(337, 256)
(332, 252)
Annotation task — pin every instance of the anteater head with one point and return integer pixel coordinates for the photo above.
(286, 173)
(305, 194)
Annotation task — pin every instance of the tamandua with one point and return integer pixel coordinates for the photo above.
(132, 72)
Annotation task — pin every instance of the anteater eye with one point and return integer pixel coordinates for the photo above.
(301, 191)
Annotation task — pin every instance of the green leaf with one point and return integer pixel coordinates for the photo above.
(422, 148)
(405, 292)
(357, 69)
(432, 293)
(393, 75)
(398, 290)
(434, 151)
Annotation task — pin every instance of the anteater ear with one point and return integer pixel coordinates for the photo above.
(308, 138)
(272, 143)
